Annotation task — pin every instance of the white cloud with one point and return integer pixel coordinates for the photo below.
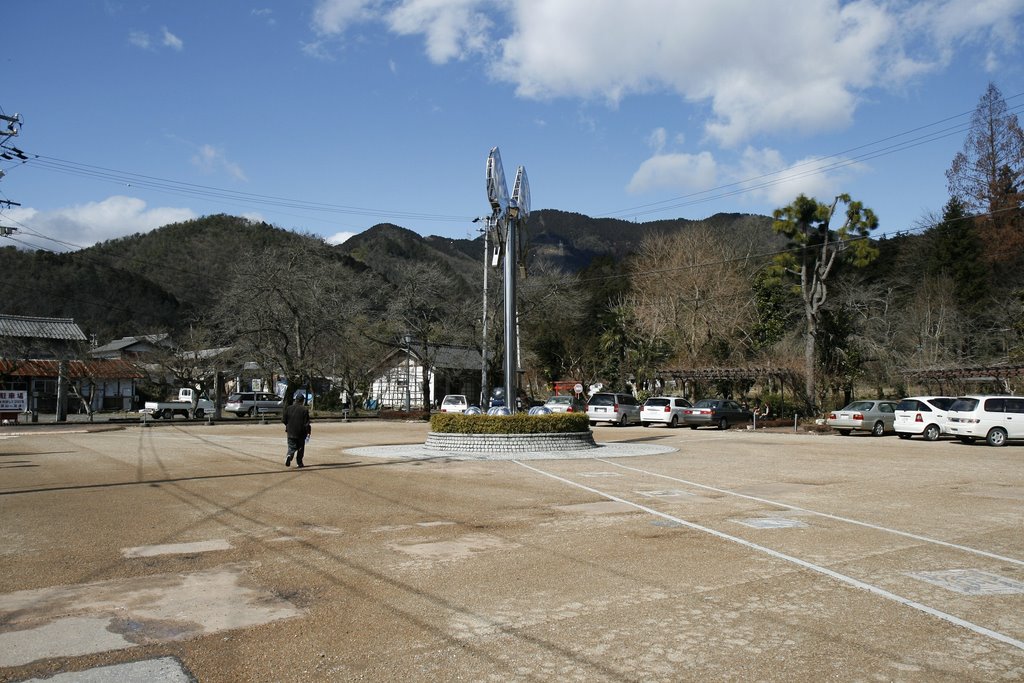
(339, 237)
(85, 224)
(172, 41)
(332, 17)
(657, 138)
(675, 172)
(139, 39)
(266, 14)
(211, 159)
(453, 28)
(760, 67)
(763, 175)
(767, 176)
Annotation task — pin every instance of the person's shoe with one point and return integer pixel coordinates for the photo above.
(288, 462)
(299, 465)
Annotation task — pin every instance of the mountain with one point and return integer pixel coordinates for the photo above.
(150, 282)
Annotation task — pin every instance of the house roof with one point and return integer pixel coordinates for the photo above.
(457, 357)
(126, 342)
(77, 369)
(445, 356)
(63, 329)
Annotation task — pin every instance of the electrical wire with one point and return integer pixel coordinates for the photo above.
(799, 171)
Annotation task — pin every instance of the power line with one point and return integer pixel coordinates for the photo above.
(812, 167)
(805, 169)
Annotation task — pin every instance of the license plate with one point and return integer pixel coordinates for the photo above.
(600, 410)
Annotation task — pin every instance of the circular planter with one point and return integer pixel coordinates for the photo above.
(509, 443)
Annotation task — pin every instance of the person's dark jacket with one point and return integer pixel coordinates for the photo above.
(296, 421)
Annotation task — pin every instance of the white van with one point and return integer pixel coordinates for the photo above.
(993, 418)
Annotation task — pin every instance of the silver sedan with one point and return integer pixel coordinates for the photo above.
(876, 417)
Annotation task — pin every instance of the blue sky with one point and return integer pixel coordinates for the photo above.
(330, 116)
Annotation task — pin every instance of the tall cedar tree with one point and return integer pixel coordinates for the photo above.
(987, 176)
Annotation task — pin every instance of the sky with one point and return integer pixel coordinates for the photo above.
(331, 116)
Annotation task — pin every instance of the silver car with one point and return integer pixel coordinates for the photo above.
(245, 403)
(877, 417)
(565, 404)
(619, 409)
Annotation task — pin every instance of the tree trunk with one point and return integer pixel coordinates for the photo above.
(810, 339)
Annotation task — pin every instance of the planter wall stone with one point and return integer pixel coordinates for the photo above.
(509, 443)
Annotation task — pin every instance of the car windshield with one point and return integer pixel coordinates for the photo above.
(450, 400)
(603, 400)
(860, 405)
(706, 403)
(560, 400)
(656, 402)
(908, 404)
(964, 405)
(942, 402)
(233, 398)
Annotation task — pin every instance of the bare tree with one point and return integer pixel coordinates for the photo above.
(288, 310)
(988, 173)
(428, 309)
(693, 291)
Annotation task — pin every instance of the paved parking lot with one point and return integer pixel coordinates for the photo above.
(188, 552)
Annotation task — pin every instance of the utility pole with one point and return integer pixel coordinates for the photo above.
(9, 152)
(484, 393)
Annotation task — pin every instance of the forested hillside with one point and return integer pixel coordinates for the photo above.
(166, 278)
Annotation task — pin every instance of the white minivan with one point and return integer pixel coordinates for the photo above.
(993, 418)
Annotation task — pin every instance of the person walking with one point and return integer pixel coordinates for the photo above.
(297, 428)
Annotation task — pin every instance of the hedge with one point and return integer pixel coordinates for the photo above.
(521, 423)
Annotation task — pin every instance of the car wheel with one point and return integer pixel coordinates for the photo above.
(996, 437)
(932, 433)
(723, 423)
(593, 423)
(903, 435)
(693, 426)
(247, 413)
(644, 424)
(168, 414)
(674, 422)
(878, 429)
(844, 432)
(200, 413)
(624, 420)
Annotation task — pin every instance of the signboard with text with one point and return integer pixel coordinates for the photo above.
(13, 401)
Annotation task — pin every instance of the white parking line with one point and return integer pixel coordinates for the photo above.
(787, 506)
(849, 580)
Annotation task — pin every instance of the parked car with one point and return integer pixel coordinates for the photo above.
(565, 404)
(924, 415)
(876, 417)
(717, 412)
(996, 419)
(454, 403)
(245, 403)
(620, 409)
(667, 410)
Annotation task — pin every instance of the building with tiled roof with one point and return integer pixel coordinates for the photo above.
(133, 347)
(26, 327)
(36, 353)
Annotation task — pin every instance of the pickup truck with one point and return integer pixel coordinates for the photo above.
(181, 406)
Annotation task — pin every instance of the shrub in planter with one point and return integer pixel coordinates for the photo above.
(520, 423)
